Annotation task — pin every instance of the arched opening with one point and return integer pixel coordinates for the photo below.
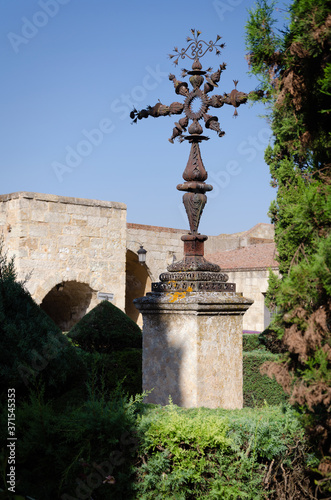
(67, 302)
(137, 284)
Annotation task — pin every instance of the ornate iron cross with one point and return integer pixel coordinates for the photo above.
(195, 107)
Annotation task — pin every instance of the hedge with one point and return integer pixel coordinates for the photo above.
(259, 389)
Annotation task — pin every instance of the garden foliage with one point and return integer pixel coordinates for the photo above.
(251, 342)
(259, 389)
(111, 343)
(82, 450)
(93, 441)
(32, 348)
(106, 329)
(294, 69)
(219, 454)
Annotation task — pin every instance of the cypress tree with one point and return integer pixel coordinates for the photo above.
(294, 69)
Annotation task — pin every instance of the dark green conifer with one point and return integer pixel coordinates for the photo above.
(295, 69)
(106, 329)
(33, 350)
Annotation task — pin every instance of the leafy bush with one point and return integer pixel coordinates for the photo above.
(81, 451)
(112, 447)
(270, 340)
(251, 342)
(32, 348)
(188, 455)
(202, 453)
(112, 343)
(106, 329)
(259, 388)
(122, 368)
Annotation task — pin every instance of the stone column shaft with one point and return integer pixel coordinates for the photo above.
(192, 348)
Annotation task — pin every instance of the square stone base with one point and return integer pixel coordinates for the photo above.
(192, 348)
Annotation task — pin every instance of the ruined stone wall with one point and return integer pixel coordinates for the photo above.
(252, 283)
(60, 239)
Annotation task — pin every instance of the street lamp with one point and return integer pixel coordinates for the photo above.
(142, 255)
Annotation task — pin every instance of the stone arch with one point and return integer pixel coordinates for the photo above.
(138, 282)
(67, 302)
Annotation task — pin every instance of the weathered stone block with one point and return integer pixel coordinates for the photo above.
(59, 218)
(97, 265)
(83, 210)
(83, 242)
(38, 205)
(67, 240)
(57, 207)
(38, 229)
(19, 231)
(97, 221)
(90, 231)
(196, 339)
(97, 242)
(38, 215)
(71, 230)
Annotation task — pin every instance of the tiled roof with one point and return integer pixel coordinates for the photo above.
(250, 257)
(131, 225)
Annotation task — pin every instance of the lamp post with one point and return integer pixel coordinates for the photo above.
(194, 272)
(142, 255)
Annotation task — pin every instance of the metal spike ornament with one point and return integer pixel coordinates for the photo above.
(194, 272)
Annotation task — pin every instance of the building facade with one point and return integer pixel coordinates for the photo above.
(76, 252)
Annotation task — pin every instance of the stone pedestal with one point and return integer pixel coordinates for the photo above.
(192, 347)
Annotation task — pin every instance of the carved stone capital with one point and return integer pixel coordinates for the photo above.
(193, 286)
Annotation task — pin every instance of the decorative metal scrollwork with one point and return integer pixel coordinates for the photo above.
(203, 82)
(197, 47)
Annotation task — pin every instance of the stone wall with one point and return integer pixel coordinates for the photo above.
(252, 283)
(60, 240)
(259, 234)
(87, 246)
(163, 245)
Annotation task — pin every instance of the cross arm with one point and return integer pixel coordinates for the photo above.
(235, 98)
(158, 109)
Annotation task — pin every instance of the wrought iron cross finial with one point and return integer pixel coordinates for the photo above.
(198, 47)
(195, 107)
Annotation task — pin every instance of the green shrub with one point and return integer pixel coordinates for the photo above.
(32, 348)
(251, 342)
(122, 368)
(117, 448)
(188, 455)
(106, 329)
(271, 341)
(81, 451)
(259, 388)
(111, 343)
(217, 454)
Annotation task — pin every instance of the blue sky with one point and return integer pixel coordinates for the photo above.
(71, 71)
